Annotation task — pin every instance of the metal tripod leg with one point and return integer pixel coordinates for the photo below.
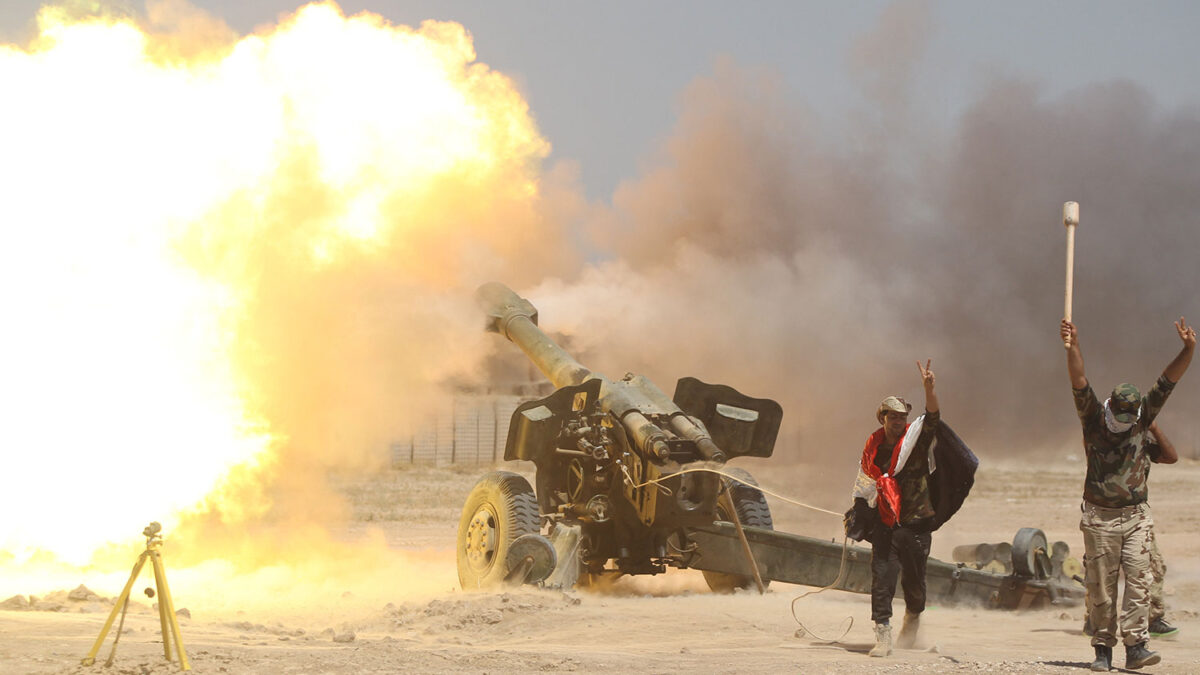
(112, 654)
(155, 562)
(121, 600)
(166, 613)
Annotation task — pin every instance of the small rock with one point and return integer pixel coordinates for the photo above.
(348, 636)
(184, 612)
(81, 593)
(16, 602)
(492, 616)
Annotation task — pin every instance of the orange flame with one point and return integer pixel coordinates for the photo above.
(175, 199)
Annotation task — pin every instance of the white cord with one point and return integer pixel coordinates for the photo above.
(849, 620)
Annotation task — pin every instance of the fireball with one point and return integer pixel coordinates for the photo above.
(198, 229)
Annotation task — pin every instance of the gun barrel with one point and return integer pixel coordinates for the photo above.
(629, 400)
(515, 318)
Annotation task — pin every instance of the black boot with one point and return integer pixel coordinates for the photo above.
(1137, 656)
(1103, 662)
(1161, 630)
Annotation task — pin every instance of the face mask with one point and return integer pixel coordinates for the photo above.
(1111, 422)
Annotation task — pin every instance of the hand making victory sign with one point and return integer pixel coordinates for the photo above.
(1186, 333)
(1179, 365)
(927, 378)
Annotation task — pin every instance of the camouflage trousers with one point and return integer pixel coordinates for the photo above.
(1158, 568)
(1118, 540)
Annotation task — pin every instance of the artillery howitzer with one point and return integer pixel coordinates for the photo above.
(611, 459)
(627, 476)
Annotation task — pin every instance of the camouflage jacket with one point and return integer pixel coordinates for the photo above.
(913, 478)
(1118, 464)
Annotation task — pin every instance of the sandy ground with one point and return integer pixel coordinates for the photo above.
(647, 625)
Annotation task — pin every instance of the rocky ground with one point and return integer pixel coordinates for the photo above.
(666, 624)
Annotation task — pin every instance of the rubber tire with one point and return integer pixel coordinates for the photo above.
(752, 511)
(505, 503)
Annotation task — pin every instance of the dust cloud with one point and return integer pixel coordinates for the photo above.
(808, 260)
(757, 253)
(276, 239)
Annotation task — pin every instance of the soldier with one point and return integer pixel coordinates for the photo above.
(1161, 451)
(1116, 521)
(894, 474)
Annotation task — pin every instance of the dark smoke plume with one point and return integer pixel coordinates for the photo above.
(756, 254)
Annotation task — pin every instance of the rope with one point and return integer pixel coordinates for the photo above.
(848, 621)
(739, 480)
(804, 630)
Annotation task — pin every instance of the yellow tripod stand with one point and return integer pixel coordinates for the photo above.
(166, 608)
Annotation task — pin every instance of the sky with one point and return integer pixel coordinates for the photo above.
(799, 200)
(604, 78)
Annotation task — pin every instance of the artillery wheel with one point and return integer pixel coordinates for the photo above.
(752, 510)
(1030, 554)
(500, 508)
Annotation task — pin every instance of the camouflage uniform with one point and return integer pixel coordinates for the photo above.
(1158, 566)
(913, 478)
(901, 553)
(1117, 523)
(1158, 569)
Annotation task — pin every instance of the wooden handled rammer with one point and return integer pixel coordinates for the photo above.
(1071, 220)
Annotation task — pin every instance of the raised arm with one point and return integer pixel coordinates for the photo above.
(927, 378)
(1167, 454)
(1070, 335)
(1179, 365)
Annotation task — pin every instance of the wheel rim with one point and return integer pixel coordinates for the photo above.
(481, 539)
